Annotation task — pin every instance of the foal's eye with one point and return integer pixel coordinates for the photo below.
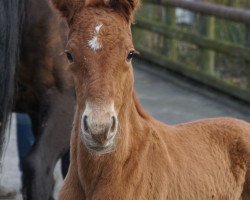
(69, 57)
(130, 55)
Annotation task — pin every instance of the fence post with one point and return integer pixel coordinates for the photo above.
(171, 20)
(208, 56)
(235, 3)
(247, 62)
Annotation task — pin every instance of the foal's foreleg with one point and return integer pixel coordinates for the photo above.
(49, 147)
(71, 189)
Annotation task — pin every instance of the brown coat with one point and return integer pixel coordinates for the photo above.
(206, 159)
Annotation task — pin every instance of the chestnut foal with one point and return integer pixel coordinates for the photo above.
(120, 152)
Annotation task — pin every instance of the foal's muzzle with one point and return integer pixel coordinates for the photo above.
(99, 127)
(100, 131)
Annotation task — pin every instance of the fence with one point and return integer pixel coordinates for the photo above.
(161, 38)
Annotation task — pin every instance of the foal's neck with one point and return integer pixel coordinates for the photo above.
(133, 123)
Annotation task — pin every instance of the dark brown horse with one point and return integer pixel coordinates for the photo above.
(43, 86)
(120, 152)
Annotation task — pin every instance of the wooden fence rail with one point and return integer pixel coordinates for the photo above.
(201, 41)
(207, 43)
(220, 11)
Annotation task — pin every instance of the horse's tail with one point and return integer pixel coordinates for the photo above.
(11, 14)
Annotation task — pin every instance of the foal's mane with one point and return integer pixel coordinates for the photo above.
(139, 108)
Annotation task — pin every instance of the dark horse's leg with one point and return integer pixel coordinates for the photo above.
(53, 142)
(65, 164)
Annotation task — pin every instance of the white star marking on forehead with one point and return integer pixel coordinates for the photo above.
(94, 43)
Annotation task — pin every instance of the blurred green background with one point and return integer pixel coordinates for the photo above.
(206, 48)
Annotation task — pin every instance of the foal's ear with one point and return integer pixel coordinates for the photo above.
(125, 7)
(68, 7)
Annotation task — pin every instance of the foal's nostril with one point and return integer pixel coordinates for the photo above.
(113, 127)
(85, 123)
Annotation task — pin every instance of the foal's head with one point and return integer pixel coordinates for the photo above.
(99, 51)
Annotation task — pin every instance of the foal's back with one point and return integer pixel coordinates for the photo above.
(208, 159)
